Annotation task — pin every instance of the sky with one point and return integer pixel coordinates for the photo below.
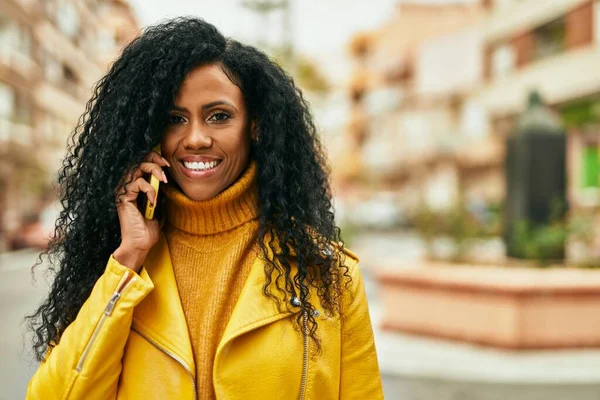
(319, 26)
(321, 29)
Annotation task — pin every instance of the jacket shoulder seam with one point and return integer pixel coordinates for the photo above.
(353, 256)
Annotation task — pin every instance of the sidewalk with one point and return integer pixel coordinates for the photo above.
(18, 297)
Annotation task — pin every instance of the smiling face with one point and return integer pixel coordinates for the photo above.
(208, 138)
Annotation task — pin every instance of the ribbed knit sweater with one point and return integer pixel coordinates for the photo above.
(212, 246)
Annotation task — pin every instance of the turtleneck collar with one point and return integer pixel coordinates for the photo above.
(231, 208)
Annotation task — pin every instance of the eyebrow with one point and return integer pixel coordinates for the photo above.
(206, 106)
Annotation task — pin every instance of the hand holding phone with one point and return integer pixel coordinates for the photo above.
(136, 206)
(149, 206)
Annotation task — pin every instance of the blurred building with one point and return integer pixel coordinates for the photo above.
(408, 91)
(554, 49)
(437, 90)
(51, 54)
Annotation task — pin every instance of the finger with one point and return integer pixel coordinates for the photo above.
(150, 192)
(154, 169)
(134, 189)
(147, 167)
(154, 157)
(130, 176)
(135, 173)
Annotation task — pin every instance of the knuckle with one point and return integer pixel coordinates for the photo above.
(141, 182)
(146, 185)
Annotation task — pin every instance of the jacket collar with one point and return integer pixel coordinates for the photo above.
(253, 309)
(160, 315)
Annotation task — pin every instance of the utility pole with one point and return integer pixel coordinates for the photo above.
(263, 8)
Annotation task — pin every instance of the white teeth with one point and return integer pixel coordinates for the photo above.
(200, 166)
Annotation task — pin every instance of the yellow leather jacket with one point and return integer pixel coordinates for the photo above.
(130, 341)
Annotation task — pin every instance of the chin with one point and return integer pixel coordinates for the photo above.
(202, 195)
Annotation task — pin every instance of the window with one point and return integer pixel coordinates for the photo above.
(70, 81)
(69, 74)
(52, 68)
(23, 110)
(15, 37)
(7, 101)
(7, 27)
(474, 120)
(591, 167)
(550, 38)
(67, 20)
(105, 42)
(503, 60)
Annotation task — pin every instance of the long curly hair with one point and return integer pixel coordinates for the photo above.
(124, 120)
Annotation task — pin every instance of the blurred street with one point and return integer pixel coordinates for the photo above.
(18, 297)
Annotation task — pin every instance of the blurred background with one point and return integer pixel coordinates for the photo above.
(464, 140)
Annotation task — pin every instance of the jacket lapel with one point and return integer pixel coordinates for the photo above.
(253, 309)
(160, 315)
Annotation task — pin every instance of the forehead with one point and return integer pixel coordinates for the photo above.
(208, 83)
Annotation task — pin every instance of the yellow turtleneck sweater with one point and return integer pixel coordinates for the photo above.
(212, 245)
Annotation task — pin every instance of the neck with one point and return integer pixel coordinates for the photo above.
(233, 207)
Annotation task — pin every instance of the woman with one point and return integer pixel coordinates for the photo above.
(244, 289)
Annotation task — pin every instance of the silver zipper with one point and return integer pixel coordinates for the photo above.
(175, 357)
(305, 358)
(124, 283)
(111, 304)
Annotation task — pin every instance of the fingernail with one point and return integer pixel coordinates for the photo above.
(166, 162)
(165, 177)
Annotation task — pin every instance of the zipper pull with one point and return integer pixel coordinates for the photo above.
(111, 303)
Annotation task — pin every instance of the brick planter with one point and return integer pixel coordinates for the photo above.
(518, 308)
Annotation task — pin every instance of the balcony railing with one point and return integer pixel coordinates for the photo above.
(560, 78)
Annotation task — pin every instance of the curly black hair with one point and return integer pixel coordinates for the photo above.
(125, 119)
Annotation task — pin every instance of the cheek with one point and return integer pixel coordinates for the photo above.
(167, 145)
(238, 144)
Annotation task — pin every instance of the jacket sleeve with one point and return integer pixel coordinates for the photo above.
(359, 375)
(86, 363)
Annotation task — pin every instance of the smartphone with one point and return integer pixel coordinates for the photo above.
(148, 207)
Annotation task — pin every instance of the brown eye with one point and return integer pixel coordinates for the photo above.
(219, 116)
(176, 119)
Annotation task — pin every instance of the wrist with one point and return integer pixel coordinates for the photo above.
(130, 258)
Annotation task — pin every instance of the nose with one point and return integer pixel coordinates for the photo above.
(197, 137)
